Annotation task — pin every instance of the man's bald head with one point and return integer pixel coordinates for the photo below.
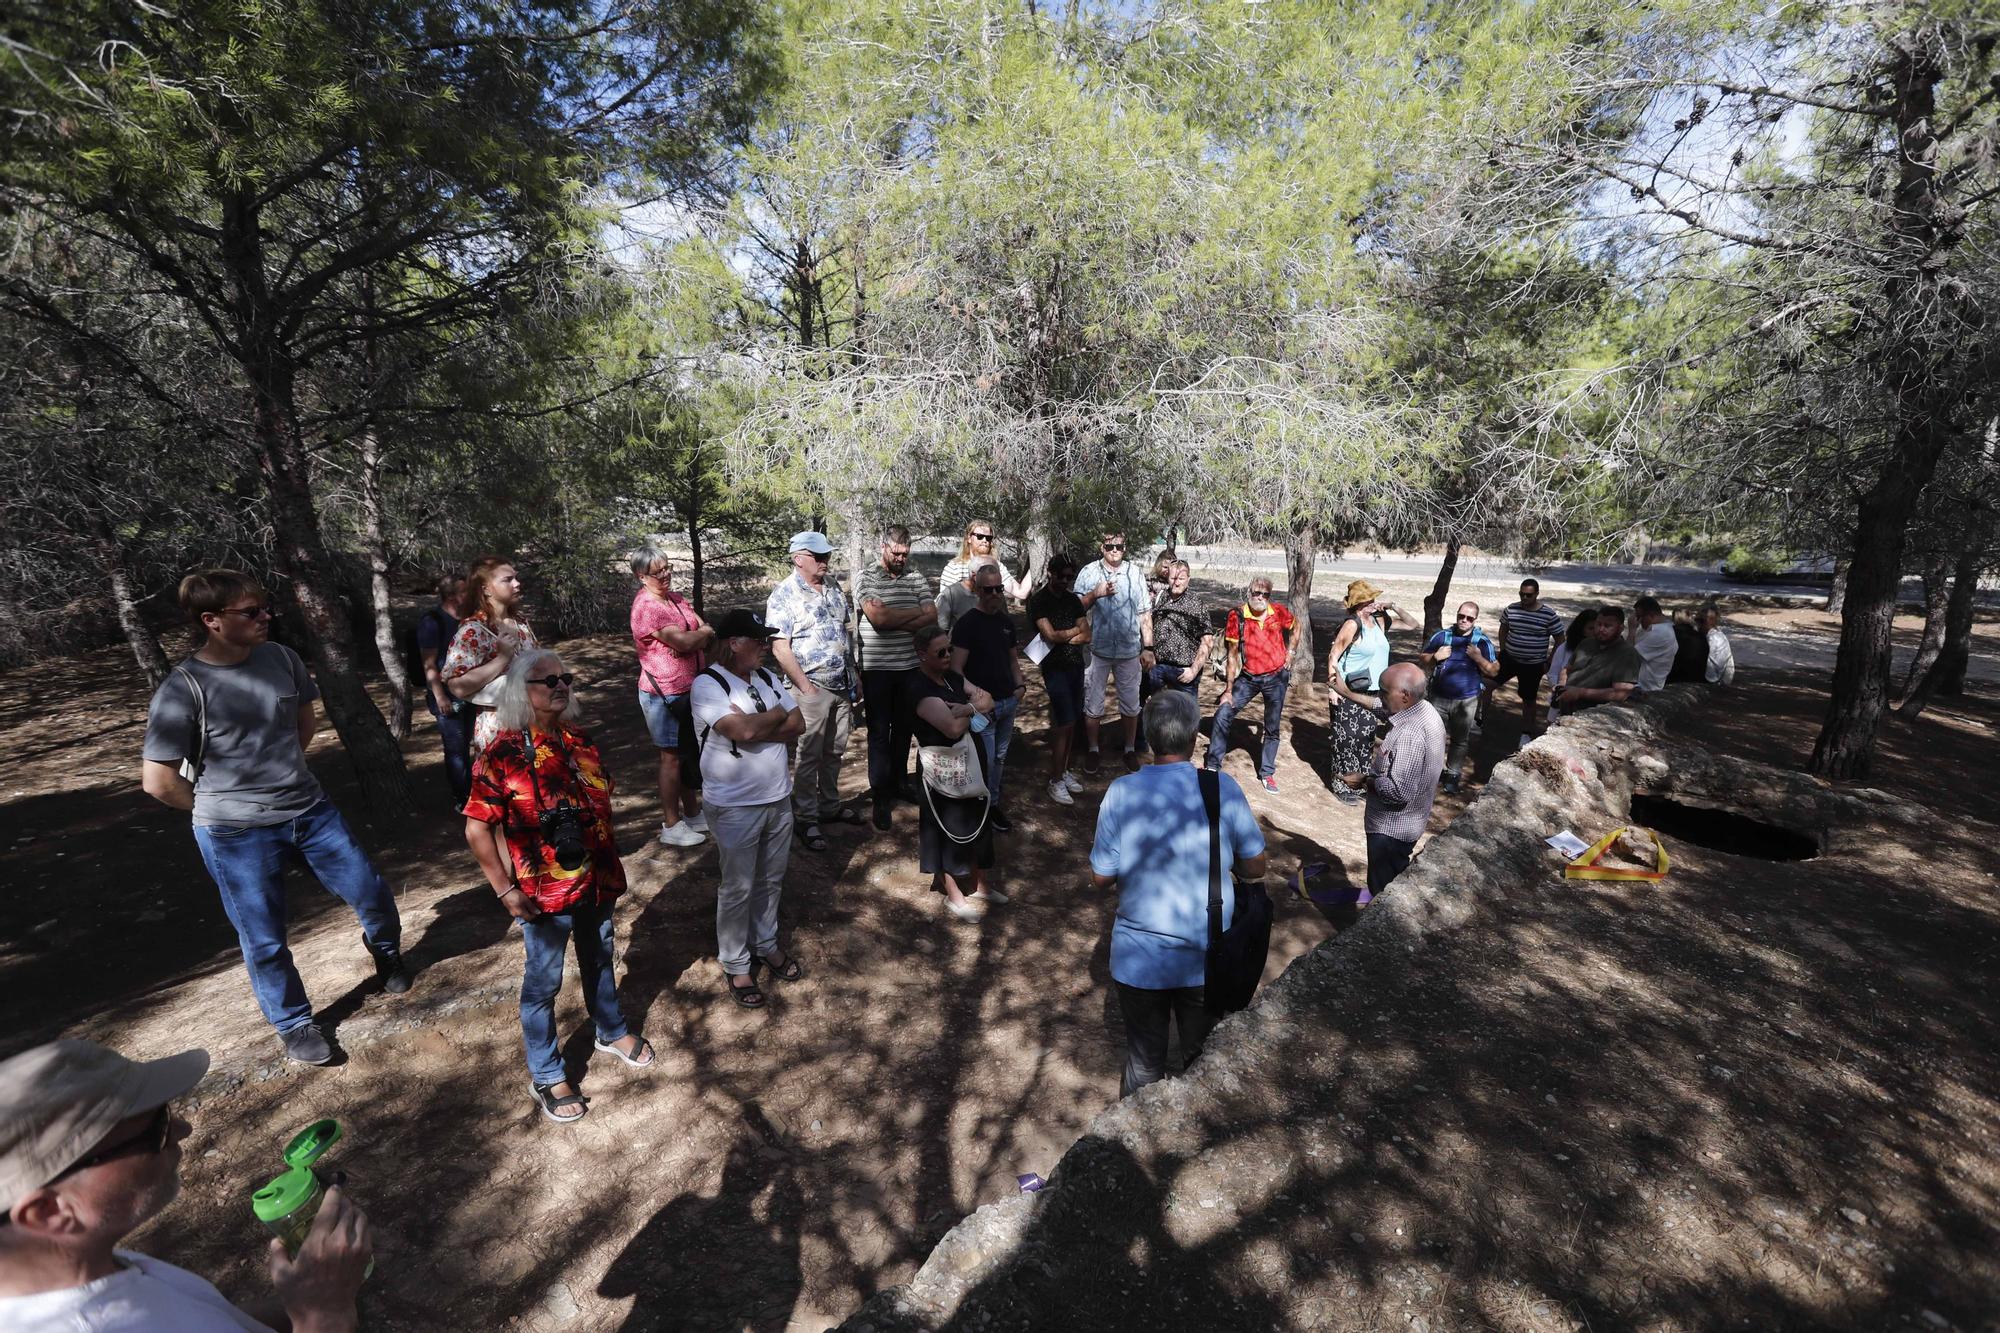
(1403, 685)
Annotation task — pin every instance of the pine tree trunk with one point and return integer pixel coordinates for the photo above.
(1946, 673)
(298, 551)
(1924, 426)
(1440, 590)
(1836, 596)
(138, 636)
(302, 558)
(1937, 598)
(377, 544)
(1301, 552)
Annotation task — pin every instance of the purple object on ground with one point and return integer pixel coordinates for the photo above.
(1030, 1182)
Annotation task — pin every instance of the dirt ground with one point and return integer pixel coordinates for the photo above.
(777, 1167)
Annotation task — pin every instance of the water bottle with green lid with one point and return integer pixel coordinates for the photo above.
(290, 1202)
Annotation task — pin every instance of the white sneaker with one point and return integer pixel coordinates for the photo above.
(681, 835)
(698, 821)
(1071, 780)
(964, 911)
(990, 894)
(1060, 794)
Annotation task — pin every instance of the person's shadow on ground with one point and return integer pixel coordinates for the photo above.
(715, 1263)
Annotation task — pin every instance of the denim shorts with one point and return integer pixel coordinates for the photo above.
(1065, 687)
(662, 721)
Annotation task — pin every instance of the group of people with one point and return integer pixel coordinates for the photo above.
(751, 714)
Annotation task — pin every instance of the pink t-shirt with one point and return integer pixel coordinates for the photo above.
(670, 671)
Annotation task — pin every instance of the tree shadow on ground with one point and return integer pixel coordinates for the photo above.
(1732, 1098)
(700, 1260)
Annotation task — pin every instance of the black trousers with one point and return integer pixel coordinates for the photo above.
(1147, 1013)
(1387, 858)
(888, 704)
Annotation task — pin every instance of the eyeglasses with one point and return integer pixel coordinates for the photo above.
(247, 612)
(550, 682)
(1114, 546)
(981, 536)
(942, 654)
(988, 589)
(1468, 617)
(148, 1142)
(822, 559)
(1260, 594)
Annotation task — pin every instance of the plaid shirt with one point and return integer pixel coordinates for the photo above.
(1402, 780)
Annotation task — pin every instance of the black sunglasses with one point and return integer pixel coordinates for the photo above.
(149, 1141)
(247, 612)
(1468, 617)
(981, 536)
(1114, 546)
(550, 682)
(988, 589)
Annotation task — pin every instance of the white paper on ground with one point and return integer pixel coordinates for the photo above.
(1037, 649)
(1568, 844)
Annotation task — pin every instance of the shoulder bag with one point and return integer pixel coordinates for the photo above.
(1235, 956)
(191, 766)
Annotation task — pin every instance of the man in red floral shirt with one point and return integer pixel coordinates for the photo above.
(539, 822)
(1259, 639)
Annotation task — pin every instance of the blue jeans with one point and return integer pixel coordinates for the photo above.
(997, 737)
(542, 977)
(248, 865)
(1273, 685)
(455, 731)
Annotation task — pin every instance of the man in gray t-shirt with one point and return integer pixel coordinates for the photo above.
(237, 716)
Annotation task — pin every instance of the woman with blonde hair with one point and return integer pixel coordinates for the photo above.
(487, 641)
(981, 538)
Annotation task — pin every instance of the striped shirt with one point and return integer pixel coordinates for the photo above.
(893, 650)
(1525, 634)
(1402, 779)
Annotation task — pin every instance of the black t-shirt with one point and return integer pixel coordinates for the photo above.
(1062, 609)
(988, 641)
(922, 688)
(1690, 655)
(435, 631)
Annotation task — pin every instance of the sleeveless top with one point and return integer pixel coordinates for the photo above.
(1369, 652)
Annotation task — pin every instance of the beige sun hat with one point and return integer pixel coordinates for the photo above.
(57, 1102)
(1361, 592)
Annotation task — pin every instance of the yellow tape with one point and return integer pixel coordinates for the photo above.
(1586, 867)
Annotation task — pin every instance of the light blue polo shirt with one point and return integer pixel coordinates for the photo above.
(1152, 835)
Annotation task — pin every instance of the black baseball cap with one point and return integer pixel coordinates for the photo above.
(742, 623)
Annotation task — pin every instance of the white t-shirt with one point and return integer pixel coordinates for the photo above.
(146, 1296)
(742, 772)
(1657, 646)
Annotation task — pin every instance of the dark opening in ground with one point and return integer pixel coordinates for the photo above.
(1723, 830)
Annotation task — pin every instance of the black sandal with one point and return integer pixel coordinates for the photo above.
(810, 835)
(791, 971)
(545, 1098)
(747, 996)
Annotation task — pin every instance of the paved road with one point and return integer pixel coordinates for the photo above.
(1498, 572)
(1493, 582)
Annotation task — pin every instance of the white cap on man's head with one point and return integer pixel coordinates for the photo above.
(57, 1102)
(815, 542)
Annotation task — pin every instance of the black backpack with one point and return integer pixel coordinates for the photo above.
(1235, 961)
(701, 742)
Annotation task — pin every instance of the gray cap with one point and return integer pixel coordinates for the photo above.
(57, 1102)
